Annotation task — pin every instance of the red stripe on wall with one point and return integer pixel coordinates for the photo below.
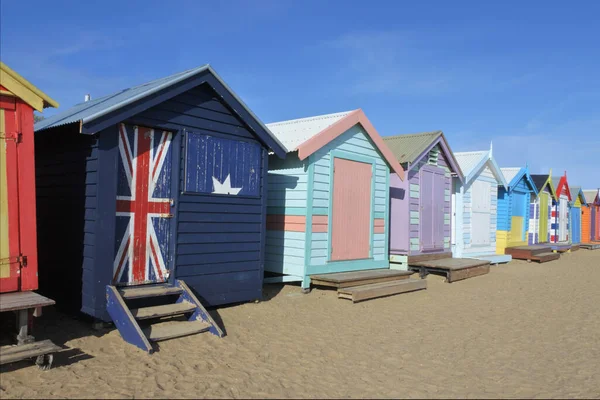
(379, 225)
(288, 223)
(320, 223)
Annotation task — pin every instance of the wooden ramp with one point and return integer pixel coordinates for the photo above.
(455, 269)
(369, 284)
(358, 278)
(537, 252)
(590, 246)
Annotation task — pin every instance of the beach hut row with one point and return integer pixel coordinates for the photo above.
(172, 196)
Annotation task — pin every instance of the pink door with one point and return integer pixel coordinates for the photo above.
(351, 214)
(431, 208)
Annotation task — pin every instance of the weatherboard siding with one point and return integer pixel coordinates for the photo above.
(67, 176)
(286, 197)
(220, 246)
(302, 189)
(354, 142)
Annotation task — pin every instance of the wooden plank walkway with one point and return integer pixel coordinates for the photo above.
(455, 269)
(23, 300)
(357, 278)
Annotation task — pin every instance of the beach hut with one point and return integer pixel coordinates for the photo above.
(560, 237)
(159, 191)
(540, 223)
(421, 208)
(18, 247)
(590, 219)
(475, 206)
(515, 206)
(327, 203)
(576, 205)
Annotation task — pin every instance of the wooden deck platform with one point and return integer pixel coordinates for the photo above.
(23, 300)
(455, 269)
(590, 246)
(358, 278)
(429, 257)
(375, 290)
(537, 252)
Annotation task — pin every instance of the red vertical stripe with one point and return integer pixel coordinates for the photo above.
(140, 227)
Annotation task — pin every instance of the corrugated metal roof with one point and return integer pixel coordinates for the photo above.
(294, 132)
(93, 109)
(407, 148)
(468, 160)
(590, 195)
(90, 110)
(510, 173)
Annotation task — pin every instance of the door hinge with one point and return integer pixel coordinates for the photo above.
(166, 215)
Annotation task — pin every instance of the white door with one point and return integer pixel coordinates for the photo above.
(563, 217)
(480, 209)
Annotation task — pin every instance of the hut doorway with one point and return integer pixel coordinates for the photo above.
(563, 215)
(481, 209)
(351, 216)
(431, 213)
(143, 225)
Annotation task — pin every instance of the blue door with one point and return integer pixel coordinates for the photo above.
(576, 224)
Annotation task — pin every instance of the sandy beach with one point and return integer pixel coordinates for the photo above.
(522, 331)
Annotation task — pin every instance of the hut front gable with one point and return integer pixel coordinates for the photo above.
(357, 145)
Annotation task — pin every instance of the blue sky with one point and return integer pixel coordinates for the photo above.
(523, 74)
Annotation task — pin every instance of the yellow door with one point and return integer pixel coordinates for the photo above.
(543, 232)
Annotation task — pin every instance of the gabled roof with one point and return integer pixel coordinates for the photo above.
(472, 163)
(510, 173)
(576, 191)
(23, 89)
(515, 174)
(409, 149)
(95, 115)
(592, 196)
(294, 132)
(559, 183)
(307, 135)
(543, 180)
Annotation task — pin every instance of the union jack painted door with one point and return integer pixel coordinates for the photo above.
(143, 225)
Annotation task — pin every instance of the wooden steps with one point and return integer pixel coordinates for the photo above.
(171, 311)
(455, 269)
(374, 290)
(544, 257)
(164, 310)
(358, 278)
(590, 246)
(9, 354)
(174, 329)
(540, 253)
(139, 292)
